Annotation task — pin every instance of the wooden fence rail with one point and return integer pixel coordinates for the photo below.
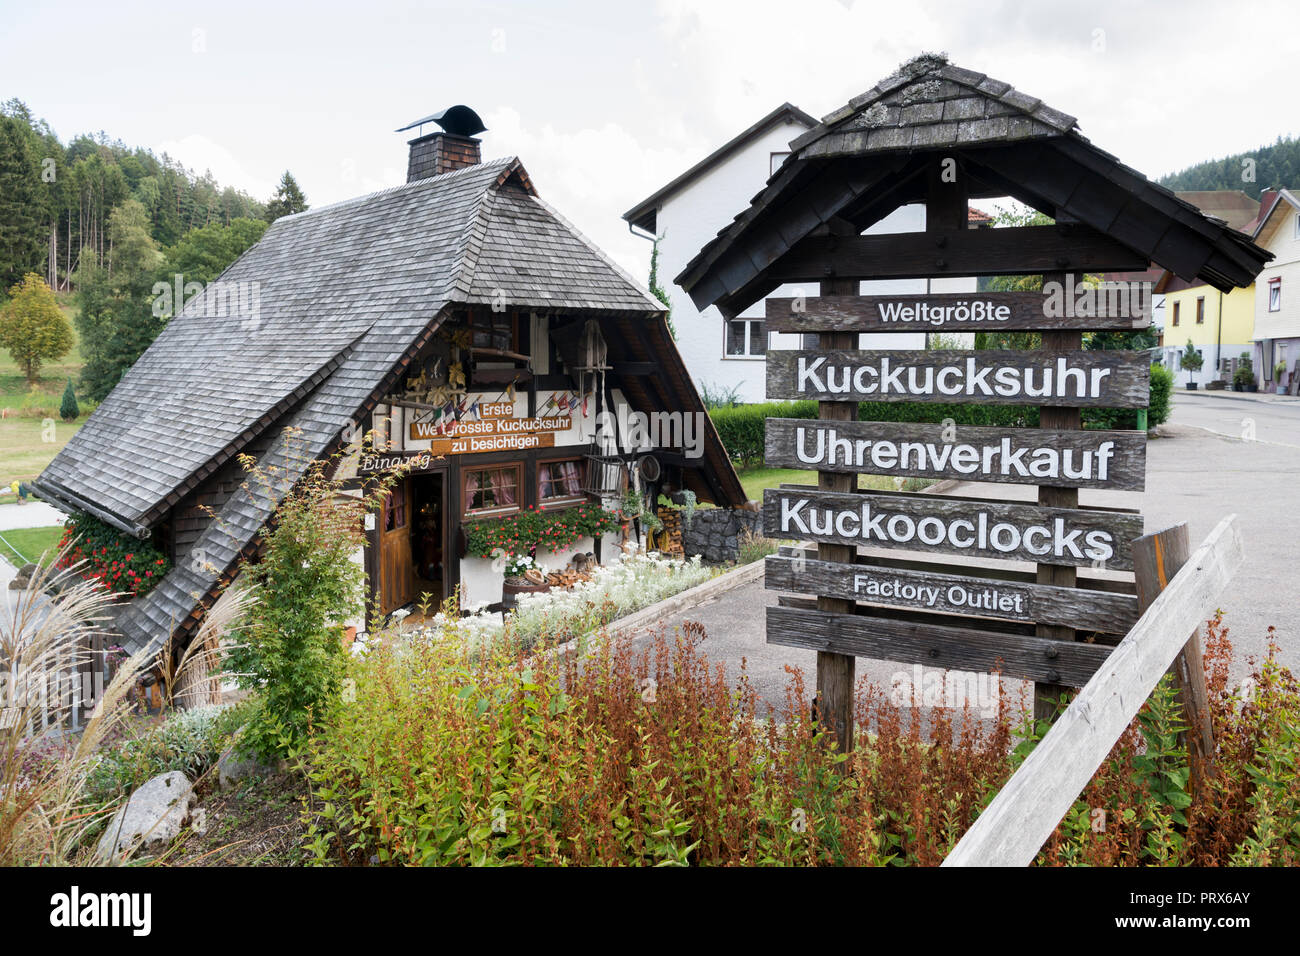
(1014, 827)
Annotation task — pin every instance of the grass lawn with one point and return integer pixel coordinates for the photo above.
(23, 545)
(25, 446)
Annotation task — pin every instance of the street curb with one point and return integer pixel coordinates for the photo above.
(1262, 398)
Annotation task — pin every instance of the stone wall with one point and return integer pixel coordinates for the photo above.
(714, 533)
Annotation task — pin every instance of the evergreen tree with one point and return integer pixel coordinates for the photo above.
(288, 199)
(22, 214)
(31, 326)
(68, 408)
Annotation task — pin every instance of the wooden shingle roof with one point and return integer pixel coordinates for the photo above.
(870, 156)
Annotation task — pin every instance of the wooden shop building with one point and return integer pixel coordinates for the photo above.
(461, 318)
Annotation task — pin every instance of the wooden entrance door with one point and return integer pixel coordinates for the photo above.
(396, 571)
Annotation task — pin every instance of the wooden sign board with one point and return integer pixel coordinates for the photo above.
(1118, 306)
(1023, 456)
(958, 594)
(936, 645)
(966, 526)
(422, 431)
(475, 444)
(1073, 379)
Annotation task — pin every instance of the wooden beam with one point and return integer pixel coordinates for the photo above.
(1157, 558)
(637, 368)
(968, 649)
(1017, 250)
(836, 671)
(1013, 828)
(1050, 573)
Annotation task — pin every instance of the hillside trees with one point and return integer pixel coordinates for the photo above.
(56, 200)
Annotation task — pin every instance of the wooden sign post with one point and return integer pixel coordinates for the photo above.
(964, 615)
(1047, 694)
(835, 670)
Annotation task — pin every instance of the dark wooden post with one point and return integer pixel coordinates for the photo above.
(1046, 694)
(835, 672)
(1156, 559)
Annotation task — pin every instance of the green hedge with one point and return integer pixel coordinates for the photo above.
(741, 427)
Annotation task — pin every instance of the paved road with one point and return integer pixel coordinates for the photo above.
(1273, 419)
(1198, 471)
(34, 514)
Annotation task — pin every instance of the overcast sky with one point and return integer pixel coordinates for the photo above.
(607, 101)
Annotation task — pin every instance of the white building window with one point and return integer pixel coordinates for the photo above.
(745, 338)
(1275, 294)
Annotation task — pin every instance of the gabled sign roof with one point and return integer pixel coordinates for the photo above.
(870, 156)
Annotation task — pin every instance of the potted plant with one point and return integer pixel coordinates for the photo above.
(1192, 360)
(1245, 373)
(1279, 370)
(523, 576)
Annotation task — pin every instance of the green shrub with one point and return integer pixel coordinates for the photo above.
(305, 586)
(652, 755)
(634, 758)
(190, 741)
(1162, 391)
(754, 547)
(742, 427)
(1158, 406)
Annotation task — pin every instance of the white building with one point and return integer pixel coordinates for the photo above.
(1277, 293)
(726, 357)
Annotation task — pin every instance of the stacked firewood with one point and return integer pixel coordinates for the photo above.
(579, 570)
(669, 537)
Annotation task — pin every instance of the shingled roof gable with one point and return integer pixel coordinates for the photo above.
(929, 102)
(867, 158)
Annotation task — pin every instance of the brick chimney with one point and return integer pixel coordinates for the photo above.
(440, 153)
(1266, 199)
(453, 147)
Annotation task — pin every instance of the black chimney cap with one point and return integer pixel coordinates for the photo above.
(457, 120)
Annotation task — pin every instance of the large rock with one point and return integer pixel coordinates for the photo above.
(233, 768)
(154, 815)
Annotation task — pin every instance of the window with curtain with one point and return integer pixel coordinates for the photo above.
(492, 489)
(559, 480)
